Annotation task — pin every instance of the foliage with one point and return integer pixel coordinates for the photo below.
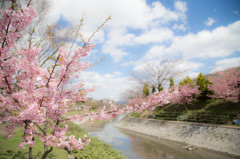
(184, 94)
(203, 83)
(153, 89)
(36, 98)
(186, 81)
(160, 88)
(135, 114)
(178, 95)
(226, 85)
(145, 90)
(96, 149)
(171, 83)
(214, 111)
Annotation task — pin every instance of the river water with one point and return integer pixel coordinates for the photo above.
(138, 146)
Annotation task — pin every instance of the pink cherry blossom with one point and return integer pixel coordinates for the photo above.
(226, 85)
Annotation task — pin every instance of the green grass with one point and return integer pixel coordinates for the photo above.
(217, 111)
(135, 114)
(96, 149)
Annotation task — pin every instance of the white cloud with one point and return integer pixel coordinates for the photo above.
(181, 9)
(193, 75)
(128, 63)
(181, 66)
(119, 38)
(189, 66)
(134, 14)
(210, 21)
(226, 63)
(107, 85)
(180, 27)
(116, 53)
(181, 6)
(221, 42)
(155, 35)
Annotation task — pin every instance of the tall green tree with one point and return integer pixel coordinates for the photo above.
(203, 84)
(145, 90)
(171, 82)
(153, 89)
(160, 88)
(187, 80)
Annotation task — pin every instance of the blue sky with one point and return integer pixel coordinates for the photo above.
(204, 33)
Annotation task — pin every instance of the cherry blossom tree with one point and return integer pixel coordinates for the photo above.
(184, 94)
(226, 85)
(37, 98)
(181, 95)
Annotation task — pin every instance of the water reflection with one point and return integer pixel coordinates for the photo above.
(137, 146)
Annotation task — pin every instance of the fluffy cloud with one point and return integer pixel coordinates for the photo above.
(155, 35)
(134, 14)
(116, 53)
(181, 6)
(107, 85)
(185, 67)
(210, 21)
(220, 42)
(180, 27)
(226, 63)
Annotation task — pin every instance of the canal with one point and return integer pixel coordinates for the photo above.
(137, 146)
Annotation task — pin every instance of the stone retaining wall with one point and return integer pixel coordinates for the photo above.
(220, 138)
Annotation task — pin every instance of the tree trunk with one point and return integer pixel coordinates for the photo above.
(30, 152)
(46, 151)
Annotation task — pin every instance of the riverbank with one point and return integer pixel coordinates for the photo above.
(96, 149)
(219, 138)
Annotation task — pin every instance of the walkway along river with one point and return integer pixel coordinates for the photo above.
(137, 146)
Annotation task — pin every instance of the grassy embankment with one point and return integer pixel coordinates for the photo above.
(95, 150)
(209, 111)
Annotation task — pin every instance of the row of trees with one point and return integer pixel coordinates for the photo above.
(224, 84)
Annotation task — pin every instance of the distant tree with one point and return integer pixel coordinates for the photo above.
(131, 93)
(153, 89)
(160, 88)
(184, 94)
(203, 83)
(145, 90)
(171, 82)
(187, 80)
(226, 85)
(157, 73)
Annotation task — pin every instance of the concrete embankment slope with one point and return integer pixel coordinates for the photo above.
(219, 138)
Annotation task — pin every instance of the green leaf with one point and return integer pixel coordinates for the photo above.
(52, 58)
(61, 59)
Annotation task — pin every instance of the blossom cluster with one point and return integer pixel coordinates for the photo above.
(34, 97)
(226, 85)
(178, 95)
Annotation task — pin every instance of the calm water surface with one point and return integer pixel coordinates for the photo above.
(138, 146)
